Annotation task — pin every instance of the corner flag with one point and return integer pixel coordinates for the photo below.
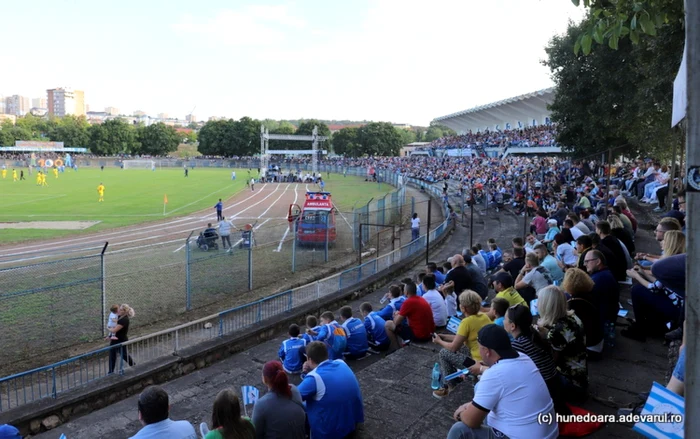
(165, 199)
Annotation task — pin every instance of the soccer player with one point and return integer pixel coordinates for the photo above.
(14, 175)
(38, 178)
(55, 172)
(43, 179)
(101, 192)
(4, 173)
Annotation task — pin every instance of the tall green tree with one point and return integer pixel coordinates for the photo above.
(436, 131)
(71, 130)
(615, 98)
(284, 128)
(407, 136)
(158, 139)
(306, 128)
(379, 139)
(345, 142)
(217, 138)
(113, 137)
(246, 134)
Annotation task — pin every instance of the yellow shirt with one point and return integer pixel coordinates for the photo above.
(512, 296)
(469, 329)
(100, 188)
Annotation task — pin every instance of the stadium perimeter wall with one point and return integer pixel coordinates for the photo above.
(45, 414)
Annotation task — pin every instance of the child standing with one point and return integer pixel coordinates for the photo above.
(112, 321)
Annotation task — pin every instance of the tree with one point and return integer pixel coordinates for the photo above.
(436, 131)
(113, 137)
(613, 20)
(284, 128)
(306, 128)
(407, 136)
(217, 137)
(379, 139)
(615, 98)
(345, 142)
(189, 138)
(71, 130)
(246, 137)
(158, 139)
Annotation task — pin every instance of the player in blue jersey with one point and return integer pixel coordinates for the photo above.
(292, 351)
(374, 325)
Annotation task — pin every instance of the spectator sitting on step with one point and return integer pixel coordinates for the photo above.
(514, 265)
(291, 352)
(332, 334)
(498, 408)
(417, 311)
(477, 281)
(459, 275)
(497, 313)
(436, 301)
(549, 262)
(226, 418)
(476, 258)
(332, 395)
(395, 302)
(357, 334)
(420, 291)
(606, 289)
(280, 412)
(579, 286)
(154, 408)
(503, 285)
(564, 251)
(665, 225)
(455, 348)
(374, 325)
(433, 268)
(533, 275)
(565, 334)
(311, 323)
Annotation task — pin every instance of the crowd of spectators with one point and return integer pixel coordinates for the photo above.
(540, 135)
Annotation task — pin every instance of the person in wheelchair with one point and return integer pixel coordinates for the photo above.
(207, 239)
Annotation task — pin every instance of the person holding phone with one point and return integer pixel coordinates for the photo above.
(458, 348)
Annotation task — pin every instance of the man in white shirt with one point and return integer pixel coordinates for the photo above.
(415, 227)
(225, 232)
(498, 407)
(435, 300)
(154, 409)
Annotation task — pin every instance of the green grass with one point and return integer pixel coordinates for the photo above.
(136, 196)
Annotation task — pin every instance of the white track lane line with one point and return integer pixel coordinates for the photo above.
(105, 236)
(343, 216)
(286, 231)
(197, 201)
(257, 218)
(255, 204)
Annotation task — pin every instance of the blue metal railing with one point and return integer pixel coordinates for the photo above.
(52, 380)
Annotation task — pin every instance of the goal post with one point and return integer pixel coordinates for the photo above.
(141, 164)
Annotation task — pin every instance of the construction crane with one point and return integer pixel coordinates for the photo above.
(192, 112)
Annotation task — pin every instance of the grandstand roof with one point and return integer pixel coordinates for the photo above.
(519, 111)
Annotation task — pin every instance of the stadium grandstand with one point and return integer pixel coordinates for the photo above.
(517, 125)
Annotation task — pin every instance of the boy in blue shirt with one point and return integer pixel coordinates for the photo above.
(292, 351)
(332, 395)
(332, 334)
(439, 277)
(374, 325)
(311, 323)
(357, 334)
(394, 305)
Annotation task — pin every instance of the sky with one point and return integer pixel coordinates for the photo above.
(384, 60)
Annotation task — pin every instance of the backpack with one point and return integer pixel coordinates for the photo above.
(339, 339)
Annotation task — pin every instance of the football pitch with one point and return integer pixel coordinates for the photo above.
(136, 196)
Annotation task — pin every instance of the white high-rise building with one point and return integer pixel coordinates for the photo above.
(65, 101)
(112, 111)
(39, 103)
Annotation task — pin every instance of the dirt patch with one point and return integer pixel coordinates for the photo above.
(50, 225)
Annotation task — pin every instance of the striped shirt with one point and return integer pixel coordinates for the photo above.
(543, 361)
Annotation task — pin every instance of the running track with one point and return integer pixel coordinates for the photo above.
(266, 207)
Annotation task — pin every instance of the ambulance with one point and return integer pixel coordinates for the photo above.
(312, 218)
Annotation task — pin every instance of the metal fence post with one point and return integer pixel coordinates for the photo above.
(104, 285)
(295, 226)
(188, 280)
(250, 262)
(327, 233)
(221, 326)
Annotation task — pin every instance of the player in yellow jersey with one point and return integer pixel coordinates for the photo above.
(101, 192)
(55, 172)
(14, 175)
(43, 180)
(38, 178)
(4, 173)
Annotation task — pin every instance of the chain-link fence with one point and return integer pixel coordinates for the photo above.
(49, 306)
(64, 302)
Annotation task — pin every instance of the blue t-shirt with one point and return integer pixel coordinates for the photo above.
(167, 428)
(374, 325)
(420, 290)
(387, 313)
(439, 277)
(291, 353)
(357, 336)
(309, 338)
(333, 400)
(325, 334)
(219, 206)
